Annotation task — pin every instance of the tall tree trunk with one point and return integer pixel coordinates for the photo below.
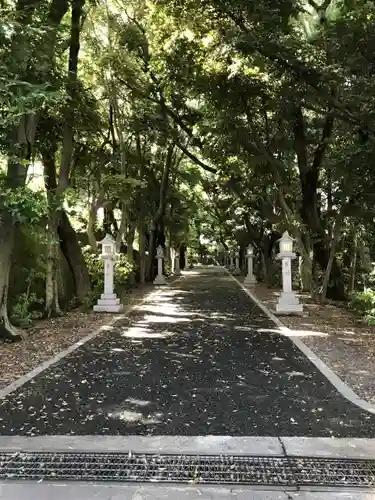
(61, 235)
(73, 253)
(130, 247)
(68, 237)
(335, 240)
(305, 264)
(309, 180)
(159, 213)
(122, 228)
(353, 267)
(91, 224)
(266, 248)
(150, 264)
(130, 241)
(23, 137)
(305, 269)
(7, 331)
(52, 307)
(142, 251)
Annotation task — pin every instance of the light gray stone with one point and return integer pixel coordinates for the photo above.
(80, 491)
(330, 447)
(333, 495)
(146, 444)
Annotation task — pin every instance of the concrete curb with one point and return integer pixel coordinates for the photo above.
(335, 380)
(212, 445)
(46, 364)
(352, 448)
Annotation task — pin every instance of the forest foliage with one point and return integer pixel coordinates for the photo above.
(178, 122)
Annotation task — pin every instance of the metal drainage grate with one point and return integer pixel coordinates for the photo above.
(267, 471)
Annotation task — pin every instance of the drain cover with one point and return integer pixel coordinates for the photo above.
(129, 467)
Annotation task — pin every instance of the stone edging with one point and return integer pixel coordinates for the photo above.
(335, 380)
(354, 448)
(46, 364)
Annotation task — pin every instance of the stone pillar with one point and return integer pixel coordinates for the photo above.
(231, 261)
(250, 279)
(160, 278)
(177, 269)
(288, 301)
(108, 301)
(237, 270)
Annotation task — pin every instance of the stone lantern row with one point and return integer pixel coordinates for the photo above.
(288, 301)
(160, 278)
(109, 302)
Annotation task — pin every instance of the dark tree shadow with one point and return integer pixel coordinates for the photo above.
(197, 359)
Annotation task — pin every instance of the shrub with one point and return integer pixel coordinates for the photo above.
(363, 303)
(24, 311)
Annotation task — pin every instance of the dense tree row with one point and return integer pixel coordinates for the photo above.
(162, 121)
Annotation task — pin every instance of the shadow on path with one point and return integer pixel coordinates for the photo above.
(195, 360)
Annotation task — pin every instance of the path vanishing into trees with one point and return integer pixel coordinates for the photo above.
(197, 358)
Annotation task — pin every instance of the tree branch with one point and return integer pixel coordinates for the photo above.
(300, 139)
(322, 147)
(195, 159)
(289, 62)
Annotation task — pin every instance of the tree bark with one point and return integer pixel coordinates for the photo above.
(353, 269)
(69, 126)
(52, 307)
(159, 213)
(268, 264)
(72, 252)
(7, 331)
(23, 137)
(91, 226)
(122, 228)
(309, 178)
(335, 240)
(142, 251)
(130, 241)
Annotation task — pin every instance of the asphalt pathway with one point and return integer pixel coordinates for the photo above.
(199, 359)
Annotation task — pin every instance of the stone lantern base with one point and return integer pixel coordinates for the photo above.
(177, 269)
(160, 280)
(288, 304)
(108, 302)
(250, 280)
(236, 271)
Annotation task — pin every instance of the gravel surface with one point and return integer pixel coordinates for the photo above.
(339, 338)
(51, 336)
(198, 359)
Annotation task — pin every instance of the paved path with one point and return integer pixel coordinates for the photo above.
(61, 491)
(197, 360)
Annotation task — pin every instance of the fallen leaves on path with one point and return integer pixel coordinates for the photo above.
(50, 336)
(342, 340)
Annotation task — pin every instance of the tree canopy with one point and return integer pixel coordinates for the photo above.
(180, 123)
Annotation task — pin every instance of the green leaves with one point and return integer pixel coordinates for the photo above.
(25, 205)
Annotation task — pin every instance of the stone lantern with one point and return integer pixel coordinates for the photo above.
(108, 301)
(237, 269)
(160, 278)
(250, 279)
(288, 302)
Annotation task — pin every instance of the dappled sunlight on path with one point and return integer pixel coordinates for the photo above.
(197, 358)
